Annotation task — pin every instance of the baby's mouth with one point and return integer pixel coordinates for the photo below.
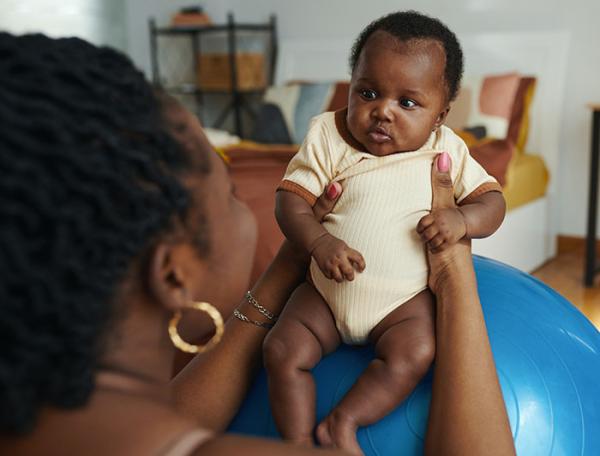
(379, 135)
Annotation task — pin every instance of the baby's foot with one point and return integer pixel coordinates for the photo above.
(340, 432)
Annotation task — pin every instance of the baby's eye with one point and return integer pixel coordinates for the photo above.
(368, 94)
(407, 103)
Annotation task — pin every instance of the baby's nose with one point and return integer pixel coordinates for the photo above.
(383, 110)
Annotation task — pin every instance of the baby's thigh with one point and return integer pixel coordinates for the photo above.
(307, 318)
(409, 330)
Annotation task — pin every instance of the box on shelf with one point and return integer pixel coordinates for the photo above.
(214, 71)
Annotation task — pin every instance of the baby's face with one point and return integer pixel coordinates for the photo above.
(398, 94)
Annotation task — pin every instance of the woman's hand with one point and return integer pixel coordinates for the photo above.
(327, 200)
(443, 262)
(324, 205)
(467, 414)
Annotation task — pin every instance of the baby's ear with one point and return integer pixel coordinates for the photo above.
(441, 118)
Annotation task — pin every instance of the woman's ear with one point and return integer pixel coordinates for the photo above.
(166, 281)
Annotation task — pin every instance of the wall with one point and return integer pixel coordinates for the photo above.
(340, 20)
(98, 21)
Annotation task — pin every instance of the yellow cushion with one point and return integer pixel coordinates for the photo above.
(469, 138)
(524, 127)
(526, 180)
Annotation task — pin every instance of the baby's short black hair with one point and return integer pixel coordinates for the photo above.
(409, 25)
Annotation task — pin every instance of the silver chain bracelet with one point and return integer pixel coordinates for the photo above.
(252, 300)
(240, 316)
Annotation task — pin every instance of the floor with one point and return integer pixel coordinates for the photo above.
(565, 274)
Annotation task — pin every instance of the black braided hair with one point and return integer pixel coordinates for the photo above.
(412, 25)
(88, 181)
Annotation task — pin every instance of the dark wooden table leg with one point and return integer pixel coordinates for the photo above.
(590, 245)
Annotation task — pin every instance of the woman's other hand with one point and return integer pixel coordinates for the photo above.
(327, 200)
(454, 257)
(467, 414)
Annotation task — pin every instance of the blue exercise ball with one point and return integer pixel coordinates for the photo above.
(548, 358)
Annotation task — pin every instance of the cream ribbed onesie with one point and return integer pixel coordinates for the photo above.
(383, 200)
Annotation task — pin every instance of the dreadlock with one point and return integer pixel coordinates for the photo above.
(88, 180)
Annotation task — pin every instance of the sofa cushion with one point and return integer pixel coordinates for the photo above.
(501, 104)
(485, 101)
(292, 106)
(518, 129)
(277, 132)
(256, 174)
(494, 156)
(526, 180)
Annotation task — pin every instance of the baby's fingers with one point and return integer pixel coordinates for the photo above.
(437, 243)
(336, 274)
(425, 222)
(347, 270)
(429, 233)
(357, 260)
(332, 271)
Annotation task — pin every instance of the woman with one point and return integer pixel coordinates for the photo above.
(115, 215)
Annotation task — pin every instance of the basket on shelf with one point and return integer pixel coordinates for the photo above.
(214, 71)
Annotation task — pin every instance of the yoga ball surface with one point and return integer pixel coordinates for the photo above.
(548, 358)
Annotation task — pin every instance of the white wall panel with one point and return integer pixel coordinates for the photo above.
(98, 21)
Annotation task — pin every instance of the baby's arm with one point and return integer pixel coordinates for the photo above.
(483, 215)
(297, 222)
(479, 217)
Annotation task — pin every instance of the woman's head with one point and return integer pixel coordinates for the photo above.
(93, 183)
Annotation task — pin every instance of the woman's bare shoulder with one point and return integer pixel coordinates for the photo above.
(229, 445)
(109, 424)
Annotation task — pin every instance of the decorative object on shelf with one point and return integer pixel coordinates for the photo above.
(190, 17)
(214, 71)
(239, 73)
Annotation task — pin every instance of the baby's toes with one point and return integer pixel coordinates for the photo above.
(340, 433)
(323, 434)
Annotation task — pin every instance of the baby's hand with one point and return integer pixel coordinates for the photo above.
(442, 228)
(336, 260)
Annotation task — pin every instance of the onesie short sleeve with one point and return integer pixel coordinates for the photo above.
(470, 178)
(313, 166)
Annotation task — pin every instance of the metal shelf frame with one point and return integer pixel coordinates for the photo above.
(238, 98)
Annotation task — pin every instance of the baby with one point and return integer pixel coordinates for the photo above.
(368, 275)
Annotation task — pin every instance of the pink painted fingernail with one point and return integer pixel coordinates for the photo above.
(443, 162)
(333, 190)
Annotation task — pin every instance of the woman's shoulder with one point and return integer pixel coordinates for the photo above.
(188, 443)
(109, 424)
(157, 428)
(229, 444)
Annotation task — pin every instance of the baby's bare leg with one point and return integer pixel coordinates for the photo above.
(305, 332)
(404, 348)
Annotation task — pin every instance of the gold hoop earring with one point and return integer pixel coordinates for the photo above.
(189, 348)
